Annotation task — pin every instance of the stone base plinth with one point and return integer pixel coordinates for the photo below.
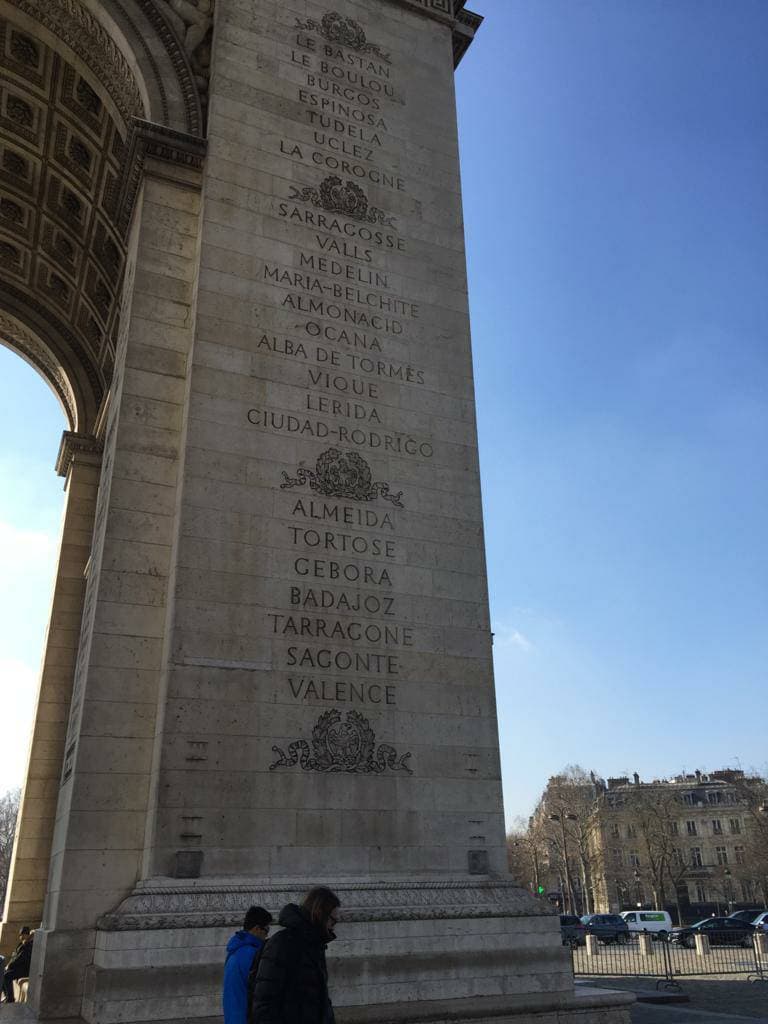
(427, 951)
(585, 1006)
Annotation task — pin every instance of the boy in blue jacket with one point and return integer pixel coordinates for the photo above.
(242, 949)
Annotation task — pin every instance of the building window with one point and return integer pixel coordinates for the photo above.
(717, 827)
(617, 857)
(747, 889)
(701, 892)
(634, 859)
(735, 826)
(690, 827)
(730, 798)
(631, 832)
(615, 830)
(677, 857)
(722, 854)
(715, 798)
(673, 829)
(688, 799)
(696, 861)
(739, 854)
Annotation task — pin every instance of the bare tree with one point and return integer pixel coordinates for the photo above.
(567, 818)
(654, 815)
(9, 810)
(524, 844)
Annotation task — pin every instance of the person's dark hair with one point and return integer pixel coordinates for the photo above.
(318, 903)
(25, 930)
(256, 917)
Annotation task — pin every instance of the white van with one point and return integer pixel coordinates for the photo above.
(656, 922)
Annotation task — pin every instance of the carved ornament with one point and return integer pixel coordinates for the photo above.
(342, 31)
(220, 906)
(348, 199)
(75, 26)
(32, 349)
(74, 445)
(348, 746)
(342, 475)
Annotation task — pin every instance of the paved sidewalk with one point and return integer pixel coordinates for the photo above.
(712, 1001)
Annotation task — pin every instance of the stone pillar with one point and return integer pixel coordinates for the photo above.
(593, 946)
(104, 797)
(761, 945)
(646, 944)
(702, 945)
(79, 462)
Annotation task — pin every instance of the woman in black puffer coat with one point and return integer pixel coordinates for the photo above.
(291, 984)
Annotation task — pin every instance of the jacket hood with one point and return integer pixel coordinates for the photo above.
(240, 939)
(295, 918)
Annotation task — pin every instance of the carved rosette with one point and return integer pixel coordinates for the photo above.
(342, 475)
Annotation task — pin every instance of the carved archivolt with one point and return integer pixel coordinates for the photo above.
(32, 349)
(192, 21)
(77, 28)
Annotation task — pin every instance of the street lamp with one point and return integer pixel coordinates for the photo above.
(636, 876)
(728, 889)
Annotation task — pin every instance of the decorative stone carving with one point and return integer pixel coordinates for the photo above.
(193, 23)
(28, 346)
(348, 746)
(9, 254)
(69, 21)
(155, 141)
(347, 199)
(79, 446)
(467, 23)
(344, 32)
(342, 475)
(24, 50)
(19, 112)
(212, 906)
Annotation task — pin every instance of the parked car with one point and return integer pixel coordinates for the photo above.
(760, 923)
(721, 931)
(657, 922)
(572, 930)
(748, 916)
(607, 927)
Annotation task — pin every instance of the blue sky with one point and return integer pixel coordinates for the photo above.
(615, 170)
(614, 162)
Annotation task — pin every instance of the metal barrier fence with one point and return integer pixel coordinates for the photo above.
(642, 957)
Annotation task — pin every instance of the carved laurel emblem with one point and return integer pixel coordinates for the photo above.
(348, 746)
(342, 475)
(344, 31)
(347, 199)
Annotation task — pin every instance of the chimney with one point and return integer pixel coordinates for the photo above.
(636, 777)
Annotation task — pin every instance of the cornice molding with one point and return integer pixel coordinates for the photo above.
(77, 446)
(467, 24)
(209, 905)
(178, 150)
(450, 12)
